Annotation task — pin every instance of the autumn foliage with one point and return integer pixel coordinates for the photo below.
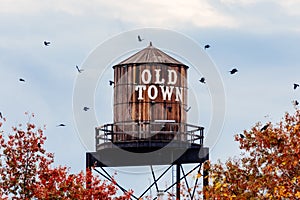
(269, 167)
(27, 172)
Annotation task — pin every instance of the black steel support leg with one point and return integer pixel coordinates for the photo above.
(205, 179)
(178, 181)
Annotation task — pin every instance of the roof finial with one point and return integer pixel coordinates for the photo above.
(150, 44)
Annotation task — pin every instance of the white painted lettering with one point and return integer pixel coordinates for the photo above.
(157, 77)
(172, 77)
(155, 92)
(140, 89)
(148, 76)
(167, 92)
(178, 94)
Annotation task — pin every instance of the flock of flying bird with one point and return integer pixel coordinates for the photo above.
(233, 71)
(47, 43)
(201, 80)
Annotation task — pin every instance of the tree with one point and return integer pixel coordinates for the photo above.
(26, 171)
(269, 167)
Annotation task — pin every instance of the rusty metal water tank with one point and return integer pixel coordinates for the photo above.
(150, 97)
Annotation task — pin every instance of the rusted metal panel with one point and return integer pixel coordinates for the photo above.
(157, 100)
(150, 55)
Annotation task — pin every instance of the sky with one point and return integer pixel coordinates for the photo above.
(261, 38)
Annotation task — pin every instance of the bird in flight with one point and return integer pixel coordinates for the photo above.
(207, 46)
(21, 79)
(265, 127)
(140, 39)
(79, 70)
(46, 43)
(60, 125)
(233, 71)
(86, 108)
(202, 80)
(172, 195)
(111, 82)
(296, 85)
(187, 109)
(296, 103)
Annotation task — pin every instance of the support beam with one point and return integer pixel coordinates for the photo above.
(186, 182)
(109, 178)
(154, 179)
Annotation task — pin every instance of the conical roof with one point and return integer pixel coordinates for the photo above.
(150, 55)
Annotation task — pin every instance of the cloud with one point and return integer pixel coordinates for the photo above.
(254, 15)
(239, 2)
(33, 7)
(169, 13)
(262, 16)
(292, 7)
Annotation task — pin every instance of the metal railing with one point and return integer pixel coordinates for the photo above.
(148, 132)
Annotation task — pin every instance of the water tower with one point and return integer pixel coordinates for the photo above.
(150, 120)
